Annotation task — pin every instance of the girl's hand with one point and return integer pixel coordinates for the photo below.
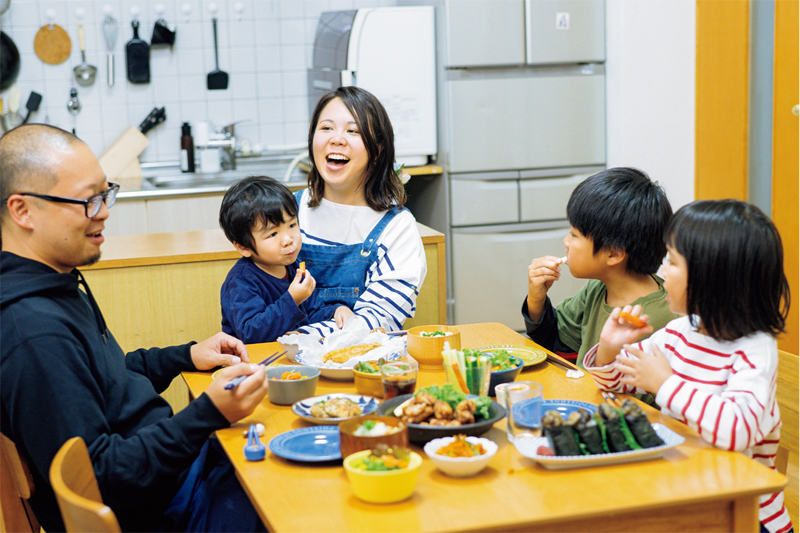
(618, 332)
(649, 372)
(302, 286)
(342, 315)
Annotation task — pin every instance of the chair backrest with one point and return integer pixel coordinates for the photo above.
(73, 480)
(16, 487)
(786, 461)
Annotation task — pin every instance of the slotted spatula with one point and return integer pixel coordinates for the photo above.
(216, 79)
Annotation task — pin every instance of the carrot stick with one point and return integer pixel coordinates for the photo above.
(302, 268)
(460, 378)
(633, 320)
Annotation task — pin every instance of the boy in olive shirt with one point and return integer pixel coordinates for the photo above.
(617, 220)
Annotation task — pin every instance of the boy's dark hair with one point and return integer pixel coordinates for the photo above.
(621, 208)
(252, 201)
(382, 187)
(734, 258)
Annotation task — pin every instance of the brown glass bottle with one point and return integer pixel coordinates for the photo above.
(187, 148)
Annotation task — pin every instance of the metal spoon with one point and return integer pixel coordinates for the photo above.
(73, 104)
(84, 72)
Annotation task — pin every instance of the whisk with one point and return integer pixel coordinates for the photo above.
(110, 31)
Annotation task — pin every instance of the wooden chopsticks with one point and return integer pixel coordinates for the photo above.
(612, 399)
(560, 361)
(266, 362)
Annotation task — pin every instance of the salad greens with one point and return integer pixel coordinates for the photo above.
(502, 360)
(433, 334)
(453, 396)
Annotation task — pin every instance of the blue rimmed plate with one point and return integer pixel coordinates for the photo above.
(528, 413)
(368, 404)
(310, 445)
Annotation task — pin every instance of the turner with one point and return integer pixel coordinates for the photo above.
(217, 79)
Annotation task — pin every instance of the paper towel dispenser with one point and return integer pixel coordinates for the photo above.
(389, 51)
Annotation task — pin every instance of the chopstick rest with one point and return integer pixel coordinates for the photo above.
(254, 450)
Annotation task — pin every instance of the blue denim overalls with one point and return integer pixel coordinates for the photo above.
(341, 270)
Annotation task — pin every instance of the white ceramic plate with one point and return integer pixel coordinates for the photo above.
(302, 408)
(528, 448)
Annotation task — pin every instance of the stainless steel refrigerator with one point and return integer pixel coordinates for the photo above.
(521, 114)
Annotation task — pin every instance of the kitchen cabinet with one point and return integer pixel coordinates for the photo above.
(165, 214)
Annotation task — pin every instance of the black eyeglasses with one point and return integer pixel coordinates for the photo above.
(91, 205)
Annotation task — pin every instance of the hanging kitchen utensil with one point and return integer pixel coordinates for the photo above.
(156, 117)
(73, 104)
(13, 119)
(137, 57)
(32, 105)
(2, 117)
(110, 32)
(9, 62)
(84, 72)
(52, 43)
(216, 79)
(163, 34)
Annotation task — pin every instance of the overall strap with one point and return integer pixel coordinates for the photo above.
(372, 238)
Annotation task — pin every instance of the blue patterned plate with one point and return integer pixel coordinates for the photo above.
(303, 408)
(311, 444)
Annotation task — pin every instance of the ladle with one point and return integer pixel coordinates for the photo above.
(84, 72)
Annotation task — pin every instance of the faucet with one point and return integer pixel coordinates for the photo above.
(225, 140)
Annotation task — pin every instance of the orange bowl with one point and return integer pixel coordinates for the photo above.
(351, 443)
(428, 350)
(368, 384)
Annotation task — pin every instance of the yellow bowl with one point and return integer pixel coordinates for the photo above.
(387, 486)
(428, 350)
(368, 384)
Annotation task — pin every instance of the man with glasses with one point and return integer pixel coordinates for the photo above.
(62, 373)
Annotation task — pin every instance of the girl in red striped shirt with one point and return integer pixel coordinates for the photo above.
(715, 368)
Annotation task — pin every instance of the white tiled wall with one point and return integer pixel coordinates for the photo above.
(266, 52)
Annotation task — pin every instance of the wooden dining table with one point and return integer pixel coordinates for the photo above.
(692, 487)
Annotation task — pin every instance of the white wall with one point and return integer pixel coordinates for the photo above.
(266, 54)
(650, 74)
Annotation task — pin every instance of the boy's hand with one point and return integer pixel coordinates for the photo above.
(542, 272)
(243, 399)
(219, 350)
(649, 372)
(342, 315)
(618, 332)
(302, 286)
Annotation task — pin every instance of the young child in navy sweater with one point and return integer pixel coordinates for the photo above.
(267, 293)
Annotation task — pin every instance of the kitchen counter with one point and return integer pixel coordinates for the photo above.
(166, 200)
(162, 289)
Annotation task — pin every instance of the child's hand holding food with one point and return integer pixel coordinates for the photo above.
(542, 272)
(619, 331)
(302, 286)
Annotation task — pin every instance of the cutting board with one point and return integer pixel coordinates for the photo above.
(121, 159)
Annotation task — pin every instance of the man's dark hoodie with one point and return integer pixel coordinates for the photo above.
(62, 375)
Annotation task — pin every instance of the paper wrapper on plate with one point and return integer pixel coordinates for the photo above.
(311, 348)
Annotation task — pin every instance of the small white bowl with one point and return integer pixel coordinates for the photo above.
(460, 466)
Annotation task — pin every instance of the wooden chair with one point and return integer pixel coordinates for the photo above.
(16, 488)
(786, 461)
(73, 480)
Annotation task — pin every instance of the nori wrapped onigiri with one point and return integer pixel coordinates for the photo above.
(563, 438)
(588, 431)
(618, 436)
(639, 425)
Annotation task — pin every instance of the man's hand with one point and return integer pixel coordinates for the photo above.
(219, 350)
(649, 372)
(542, 272)
(242, 400)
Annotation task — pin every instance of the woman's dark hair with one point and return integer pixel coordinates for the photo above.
(382, 187)
(622, 208)
(254, 201)
(734, 257)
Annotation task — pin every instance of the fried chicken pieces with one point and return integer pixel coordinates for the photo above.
(426, 410)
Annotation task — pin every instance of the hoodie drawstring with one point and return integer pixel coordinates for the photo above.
(98, 316)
